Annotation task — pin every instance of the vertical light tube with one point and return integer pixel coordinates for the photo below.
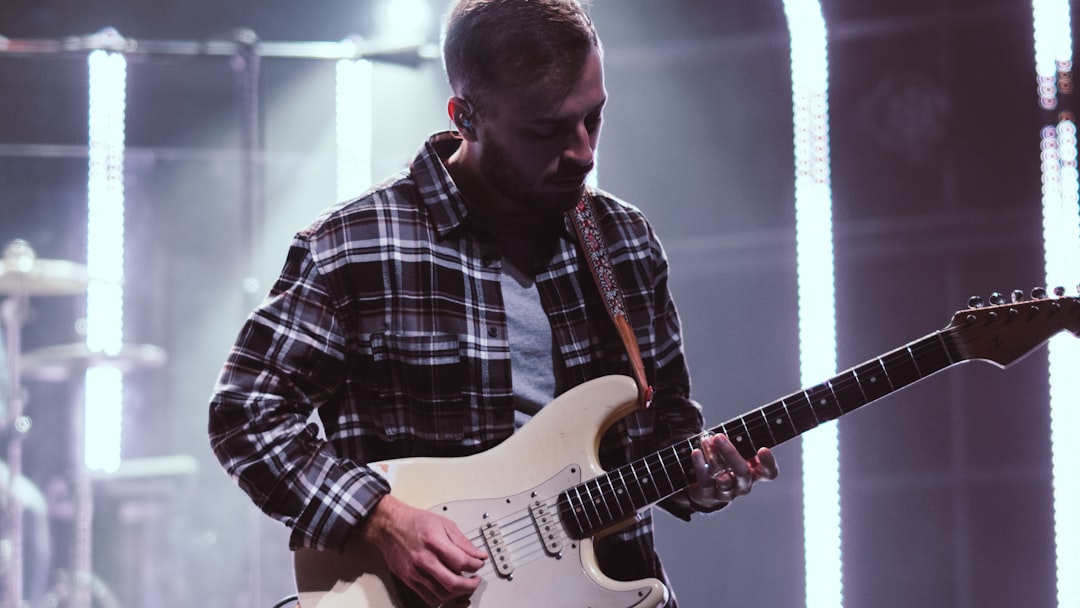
(105, 258)
(1053, 50)
(817, 315)
(353, 111)
(1061, 236)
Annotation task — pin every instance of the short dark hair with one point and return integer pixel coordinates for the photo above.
(493, 45)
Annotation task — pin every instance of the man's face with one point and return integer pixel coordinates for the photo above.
(536, 150)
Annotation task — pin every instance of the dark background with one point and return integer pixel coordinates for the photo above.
(946, 490)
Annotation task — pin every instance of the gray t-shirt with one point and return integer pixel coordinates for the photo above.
(531, 366)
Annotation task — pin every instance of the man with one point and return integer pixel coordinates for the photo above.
(435, 314)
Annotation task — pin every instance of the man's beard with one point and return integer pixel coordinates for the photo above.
(506, 178)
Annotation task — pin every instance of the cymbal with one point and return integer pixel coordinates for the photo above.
(62, 363)
(35, 277)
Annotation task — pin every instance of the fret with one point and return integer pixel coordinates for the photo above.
(849, 395)
(651, 480)
(685, 463)
(599, 498)
(761, 423)
(637, 482)
(740, 436)
(612, 497)
(624, 491)
(932, 355)
(667, 475)
(800, 412)
(915, 362)
(573, 506)
(779, 421)
(588, 507)
(823, 401)
(900, 368)
(881, 364)
(760, 435)
(872, 380)
(950, 346)
(687, 449)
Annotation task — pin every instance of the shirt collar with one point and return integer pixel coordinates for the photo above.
(438, 192)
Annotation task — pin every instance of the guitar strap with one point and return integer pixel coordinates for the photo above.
(592, 243)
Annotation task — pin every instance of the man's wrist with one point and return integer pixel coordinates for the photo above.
(705, 507)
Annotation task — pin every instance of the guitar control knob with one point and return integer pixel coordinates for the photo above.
(1039, 293)
(997, 299)
(975, 302)
(1059, 291)
(1017, 296)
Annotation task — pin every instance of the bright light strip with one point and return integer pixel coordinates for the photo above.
(354, 83)
(1061, 234)
(404, 22)
(104, 389)
(817, 314)
(1061, 237)
(1053, 49)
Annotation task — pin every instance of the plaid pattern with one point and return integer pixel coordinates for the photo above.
(388, 320)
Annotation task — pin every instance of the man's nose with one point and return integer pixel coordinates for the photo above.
(579, 149)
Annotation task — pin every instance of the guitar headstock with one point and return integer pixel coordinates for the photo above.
(1008, 328)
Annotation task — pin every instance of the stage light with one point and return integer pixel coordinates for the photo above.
(353, 125)
(404, 22)
(104, 389)
(817, 308)
(1061, 236)
(1053, 49)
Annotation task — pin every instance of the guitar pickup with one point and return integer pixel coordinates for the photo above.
(546, 527)
(500, 554)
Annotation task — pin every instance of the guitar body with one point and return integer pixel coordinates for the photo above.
(503, 499)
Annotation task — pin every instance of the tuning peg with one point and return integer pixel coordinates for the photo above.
(975, 302)
(1059, 291)
(1017, 296)
(1039, 293)
(996, 299)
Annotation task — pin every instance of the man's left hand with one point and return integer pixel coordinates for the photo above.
(723, 474)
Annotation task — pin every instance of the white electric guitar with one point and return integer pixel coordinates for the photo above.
(535, 501)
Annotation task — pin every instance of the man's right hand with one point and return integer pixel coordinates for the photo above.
(426, 551)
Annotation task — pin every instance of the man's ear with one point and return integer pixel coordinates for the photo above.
(461, 115)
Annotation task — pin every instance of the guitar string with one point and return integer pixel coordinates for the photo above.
(530, 535)
(753, 422)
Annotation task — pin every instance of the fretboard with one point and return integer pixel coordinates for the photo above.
(607, 499)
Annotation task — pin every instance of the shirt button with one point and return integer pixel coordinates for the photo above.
(493, 332)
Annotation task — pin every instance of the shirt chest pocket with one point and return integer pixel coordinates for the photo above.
(418, 381)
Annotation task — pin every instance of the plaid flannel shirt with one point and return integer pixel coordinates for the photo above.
(387, 320)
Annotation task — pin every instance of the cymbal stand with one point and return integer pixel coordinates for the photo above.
(84, 504)
(13, 427)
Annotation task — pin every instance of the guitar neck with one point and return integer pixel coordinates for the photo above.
(610, 498)
(799, 412)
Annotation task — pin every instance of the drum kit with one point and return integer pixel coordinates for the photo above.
(22, 277)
